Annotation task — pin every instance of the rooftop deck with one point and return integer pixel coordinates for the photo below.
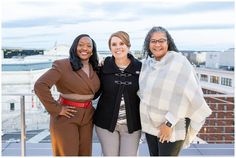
(44, 149)
(38, 143)
(19, 140)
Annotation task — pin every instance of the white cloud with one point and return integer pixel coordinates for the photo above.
(39, 23)
(218, 39)
(30, 9)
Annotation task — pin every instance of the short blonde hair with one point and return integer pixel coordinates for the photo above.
(123, 36)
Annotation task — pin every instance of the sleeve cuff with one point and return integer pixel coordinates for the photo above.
(173, 120)
(55, 111)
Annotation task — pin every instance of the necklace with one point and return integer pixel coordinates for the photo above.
(123, 64)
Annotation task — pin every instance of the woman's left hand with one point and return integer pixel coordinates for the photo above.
(101, 63)
(165, 133)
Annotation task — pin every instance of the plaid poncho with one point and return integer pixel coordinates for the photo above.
(169, 90)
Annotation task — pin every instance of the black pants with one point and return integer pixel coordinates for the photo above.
(157, 148)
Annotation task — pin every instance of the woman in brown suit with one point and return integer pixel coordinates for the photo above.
(71, 115)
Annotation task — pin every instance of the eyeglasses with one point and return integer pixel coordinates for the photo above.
(160, 41)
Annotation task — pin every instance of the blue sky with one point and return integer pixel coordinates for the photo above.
(194, 25)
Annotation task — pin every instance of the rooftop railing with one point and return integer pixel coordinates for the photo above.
(24, 111)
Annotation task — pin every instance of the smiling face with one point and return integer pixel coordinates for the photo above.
(84, 48)
(158, 45)
(118, 48)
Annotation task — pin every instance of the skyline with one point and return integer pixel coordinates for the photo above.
(194, 25)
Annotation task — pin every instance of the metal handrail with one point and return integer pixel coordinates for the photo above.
(22, 115)
(23, 135)
(22, 118)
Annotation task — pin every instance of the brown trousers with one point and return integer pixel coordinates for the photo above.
(72, 136)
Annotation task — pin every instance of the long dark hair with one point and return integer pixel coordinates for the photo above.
(75, 61)
(170, 41)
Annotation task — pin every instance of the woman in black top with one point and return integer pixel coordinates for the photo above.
(117, 116)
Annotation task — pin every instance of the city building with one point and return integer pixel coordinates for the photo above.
(20, 74)
(217, 77)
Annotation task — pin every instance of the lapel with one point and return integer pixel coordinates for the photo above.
(87, 79)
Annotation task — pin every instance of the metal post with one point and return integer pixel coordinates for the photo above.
(22, 116)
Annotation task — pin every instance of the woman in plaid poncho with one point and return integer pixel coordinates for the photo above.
(172, 106)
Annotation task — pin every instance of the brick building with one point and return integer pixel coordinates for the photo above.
(218, 89)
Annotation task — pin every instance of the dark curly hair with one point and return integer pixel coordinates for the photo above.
(75, 61)
(171, 45)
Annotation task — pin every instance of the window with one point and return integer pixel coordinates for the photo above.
(223, 137)
(214, 79)
(204, 77)
(226, 81)
(225, 107)
(12, 106)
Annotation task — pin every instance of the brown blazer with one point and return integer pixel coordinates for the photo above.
(67, 81)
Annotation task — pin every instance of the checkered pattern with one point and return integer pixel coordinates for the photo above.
(169, 89)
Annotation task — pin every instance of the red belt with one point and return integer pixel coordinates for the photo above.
(87, 104)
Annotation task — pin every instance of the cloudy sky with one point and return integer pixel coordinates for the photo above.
(194, 25)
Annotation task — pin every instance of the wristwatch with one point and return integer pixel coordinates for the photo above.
(168, 124)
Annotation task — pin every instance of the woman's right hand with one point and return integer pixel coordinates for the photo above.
(68, 111)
